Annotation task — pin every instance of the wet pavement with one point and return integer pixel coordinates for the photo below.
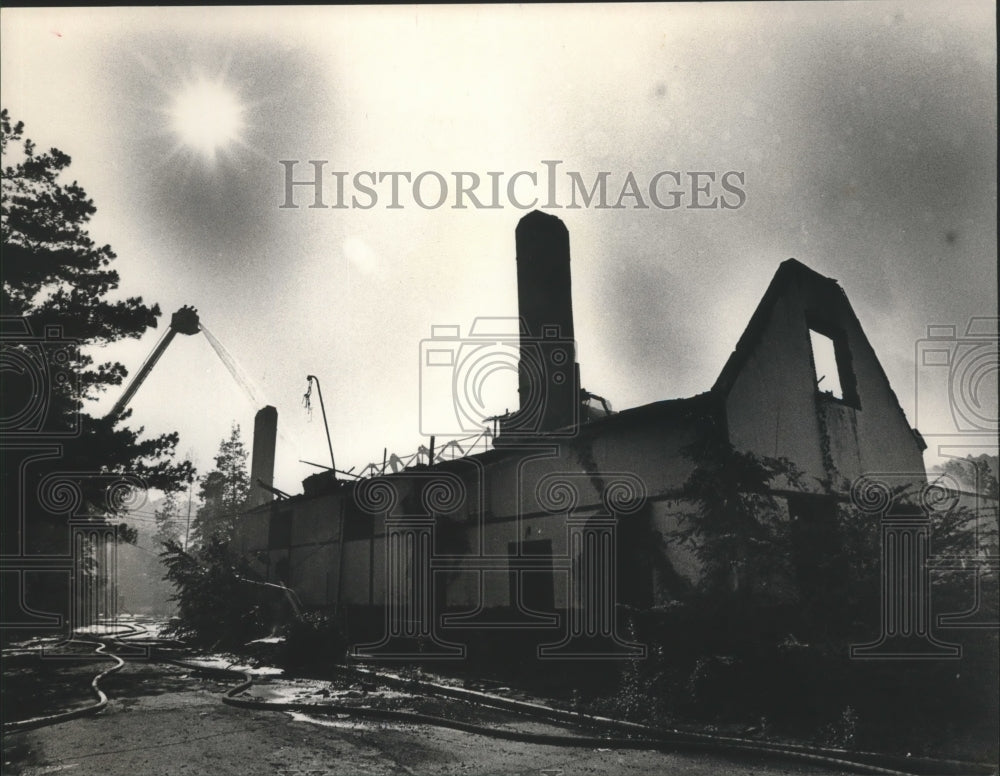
(167, 720)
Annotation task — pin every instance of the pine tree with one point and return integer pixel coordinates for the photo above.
(223, 492)
(54, 275)
(168, 520)
(975, 474)
(217, 600)
(54, 298)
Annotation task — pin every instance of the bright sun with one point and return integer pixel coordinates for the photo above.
(207, 116)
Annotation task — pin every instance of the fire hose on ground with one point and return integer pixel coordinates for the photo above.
(631, 735)
(95, 686)
(648, 738)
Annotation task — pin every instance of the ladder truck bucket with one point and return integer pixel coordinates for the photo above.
(185, 321)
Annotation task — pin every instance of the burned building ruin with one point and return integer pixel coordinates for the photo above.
(542, 532)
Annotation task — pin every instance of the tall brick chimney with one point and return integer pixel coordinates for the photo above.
(265, 433)
(548, 375)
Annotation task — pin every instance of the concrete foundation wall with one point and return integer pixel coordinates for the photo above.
(500, 503)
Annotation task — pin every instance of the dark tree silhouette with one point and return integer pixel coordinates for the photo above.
(737, 530)
(219, 598)
(55, 303)
(216, 605)
(223, 492)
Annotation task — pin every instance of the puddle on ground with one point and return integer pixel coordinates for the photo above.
(346, 722)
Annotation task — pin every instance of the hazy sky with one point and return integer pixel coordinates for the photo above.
(864, 133)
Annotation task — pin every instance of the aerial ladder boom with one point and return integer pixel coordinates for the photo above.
(184, 321)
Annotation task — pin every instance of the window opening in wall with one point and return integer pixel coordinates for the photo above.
(825, 360)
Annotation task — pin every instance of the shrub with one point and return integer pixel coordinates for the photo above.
(313, 642)
(216, 606)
